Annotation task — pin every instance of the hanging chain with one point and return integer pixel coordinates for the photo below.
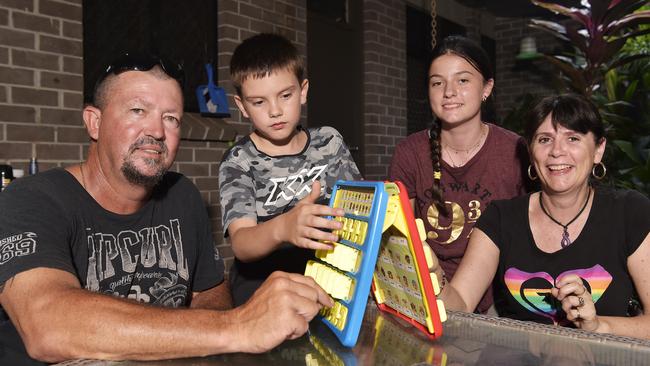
(433, 24)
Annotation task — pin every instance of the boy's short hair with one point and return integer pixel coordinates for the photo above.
(262, 54)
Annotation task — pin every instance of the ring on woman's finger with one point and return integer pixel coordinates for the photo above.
(581, 301)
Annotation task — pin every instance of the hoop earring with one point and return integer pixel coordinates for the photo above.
(530, 174)
(593, 171)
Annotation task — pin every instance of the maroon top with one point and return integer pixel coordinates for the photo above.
(495, 172)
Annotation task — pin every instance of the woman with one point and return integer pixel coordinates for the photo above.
(457, 167)
(574, 253)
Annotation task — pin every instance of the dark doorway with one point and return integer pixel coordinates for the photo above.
(335, 70)
(183, 31)
(418, 56)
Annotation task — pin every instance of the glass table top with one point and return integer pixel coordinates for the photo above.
(468, 339)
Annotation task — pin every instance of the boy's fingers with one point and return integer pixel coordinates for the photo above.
(313, 244)
(314, 194)
(321, 222)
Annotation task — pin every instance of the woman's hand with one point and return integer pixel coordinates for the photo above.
(434, 266)
(577, 302)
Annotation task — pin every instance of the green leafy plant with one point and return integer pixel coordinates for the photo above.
(608, 62)
(626, 107)
(597, 31)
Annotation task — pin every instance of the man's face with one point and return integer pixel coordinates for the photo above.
(140, 126)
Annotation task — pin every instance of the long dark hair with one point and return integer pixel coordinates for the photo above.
(478, 58)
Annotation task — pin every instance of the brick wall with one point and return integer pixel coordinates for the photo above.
(384, 59)
(515, 78)
(239, 20)
(41, 82)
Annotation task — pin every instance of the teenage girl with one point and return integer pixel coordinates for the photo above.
(454, 169)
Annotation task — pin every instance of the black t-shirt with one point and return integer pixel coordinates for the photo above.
(158, 255)
(617, 224)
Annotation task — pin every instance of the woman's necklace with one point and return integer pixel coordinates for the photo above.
(565, 242)
(468, 151)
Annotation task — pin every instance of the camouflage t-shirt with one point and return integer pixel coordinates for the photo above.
(257, 186)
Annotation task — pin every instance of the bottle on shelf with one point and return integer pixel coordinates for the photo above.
(33, 166)
(6, 175)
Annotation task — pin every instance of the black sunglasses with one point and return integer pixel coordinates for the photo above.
(143, 62)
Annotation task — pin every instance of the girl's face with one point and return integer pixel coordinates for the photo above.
(456, 90)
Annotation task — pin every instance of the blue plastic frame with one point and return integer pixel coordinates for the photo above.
(370, 251)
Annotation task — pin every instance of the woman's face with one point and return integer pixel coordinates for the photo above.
(456, 89)
(564, 158)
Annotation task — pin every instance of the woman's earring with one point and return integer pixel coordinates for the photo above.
(593, 171)
(530, 174)
(484, 98)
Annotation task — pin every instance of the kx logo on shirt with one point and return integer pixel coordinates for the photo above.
(292, 186)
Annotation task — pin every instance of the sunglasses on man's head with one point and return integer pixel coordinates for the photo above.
(139, 62)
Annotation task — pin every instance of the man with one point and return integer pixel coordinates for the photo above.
(85, 250)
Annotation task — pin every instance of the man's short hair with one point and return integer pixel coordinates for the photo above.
(159, 67)
(262, 54)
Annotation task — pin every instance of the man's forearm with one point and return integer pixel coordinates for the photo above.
(80, 324)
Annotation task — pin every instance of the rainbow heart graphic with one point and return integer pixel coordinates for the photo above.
(533, 290)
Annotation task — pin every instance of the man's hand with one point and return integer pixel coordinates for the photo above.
(279, 310)
(304, 223)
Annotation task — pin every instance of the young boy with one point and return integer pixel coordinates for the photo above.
(276, 182)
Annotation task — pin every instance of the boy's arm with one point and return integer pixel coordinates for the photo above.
(302, 226)
(58, 320)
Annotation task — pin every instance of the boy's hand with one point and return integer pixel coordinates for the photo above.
(305, 225)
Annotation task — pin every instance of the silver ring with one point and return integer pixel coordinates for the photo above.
(581, 301)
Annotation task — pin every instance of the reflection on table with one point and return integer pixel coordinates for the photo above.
(468, 339)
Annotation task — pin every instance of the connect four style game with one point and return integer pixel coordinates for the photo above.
(345, 271)
(402, 283)
(380, 239)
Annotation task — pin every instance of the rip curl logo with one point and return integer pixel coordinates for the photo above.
(113, 255)
(533, 290)
(293, 185)
(18, 245)
(168, 292)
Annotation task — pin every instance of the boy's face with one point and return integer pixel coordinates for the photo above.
(272, 103)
